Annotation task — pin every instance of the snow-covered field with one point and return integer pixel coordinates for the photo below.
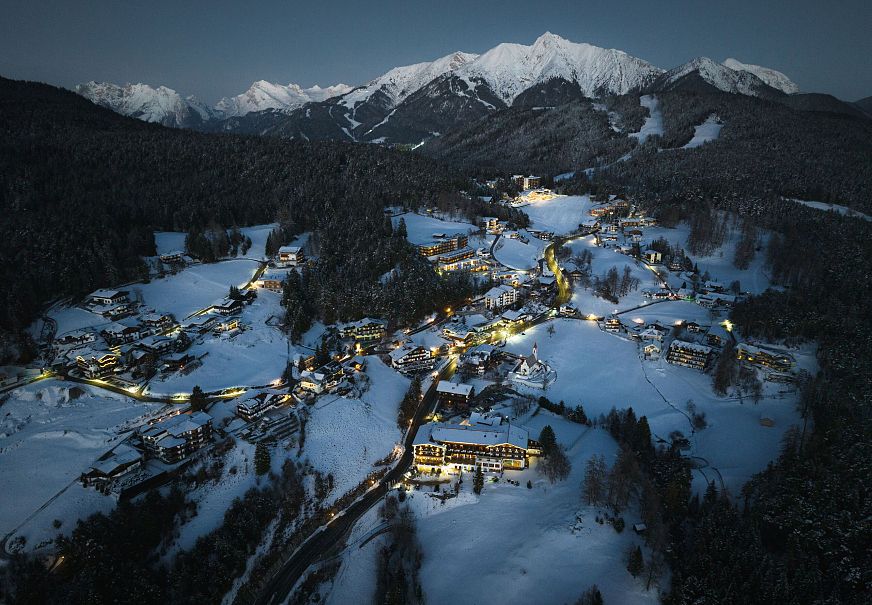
(560, 215)
(169, 241)
(347, 436)
(653, 125)
(600, 370)
(195, 287)
(420, 228)
(604, 259)
(47, 439)
(255, 357)
(515, 254)
(708, 131)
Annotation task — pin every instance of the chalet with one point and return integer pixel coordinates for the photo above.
(652, 256)
(175, 256)
(96, 364)
(365, 329)
(468, 447)
(633, 222)
(200, 324)
(140, 364)
(588, 227)
(108, 297)
(651, 334)
(443, 246)
(175, 438)
(781, 362)
(601, 211)
(274, 281)
(227, 306)
(454, 395)
(112, 311)
(500, 296)
(290, 256)
(694, 327)
(177, 361)
(652, 350)
(689, 354)
(512, 319)
(226, 326)
(311, 383)
(546, 282)
(613, 324)
(156, 322)
(676, 264)
(250, 409)
(492, 225)
(477, 359)
(116, 334)
(157, 345)
(409, 358)
(717, 336)
(458, 332)
(112, 465)
(76, 337)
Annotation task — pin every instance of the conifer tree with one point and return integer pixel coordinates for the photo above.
(478, 480)
(261, 459)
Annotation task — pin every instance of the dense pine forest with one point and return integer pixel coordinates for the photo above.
(764, 148)
(82, 189)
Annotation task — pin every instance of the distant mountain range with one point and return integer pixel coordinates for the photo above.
(412, 103)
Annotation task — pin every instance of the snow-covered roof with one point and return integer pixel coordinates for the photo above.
(289, 250)
(402, 351)
(498, 291)
(106, 293)
(691, 346)
(481, 435)
(512, 315)
(454, 388)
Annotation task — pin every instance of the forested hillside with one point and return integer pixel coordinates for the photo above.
(81, 190)
(764, 147)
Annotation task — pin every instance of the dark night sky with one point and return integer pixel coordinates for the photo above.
(217, 48)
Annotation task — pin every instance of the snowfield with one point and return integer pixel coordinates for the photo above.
(195, 287)
(347, 436)
(515, 254)
(601, 370)
(420, 228)
(706, 132)
(560, 215)
(47, 439)
(653, 125)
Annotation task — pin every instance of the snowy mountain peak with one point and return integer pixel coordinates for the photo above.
(400, 82)
(513, 68)
(770, 77)
(263, 95)
(161, 105)
(717, 75)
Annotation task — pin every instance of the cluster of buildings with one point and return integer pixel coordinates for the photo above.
(170, 439)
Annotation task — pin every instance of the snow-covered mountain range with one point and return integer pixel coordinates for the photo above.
(417, 101)
(264, 95)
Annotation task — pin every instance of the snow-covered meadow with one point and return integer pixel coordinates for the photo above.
(50, 433)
